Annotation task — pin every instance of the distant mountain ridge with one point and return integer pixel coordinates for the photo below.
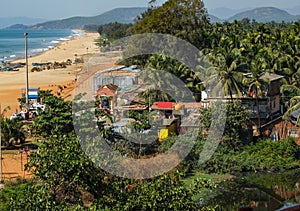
(214, 19)
(266, 14)
(294, 10)
(17, 26)
(128, 15)
(224, 13)
(9, 21)
(121, 15)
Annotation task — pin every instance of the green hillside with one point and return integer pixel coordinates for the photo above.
(128, 15)
(121, 15)
(266, 14)
(214, 19)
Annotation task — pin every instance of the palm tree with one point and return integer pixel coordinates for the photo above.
(261, 35)
(153, 78)
(294, 98)
(182, 72)
(256, 83)
(229, 67)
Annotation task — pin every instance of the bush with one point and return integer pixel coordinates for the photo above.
(265, 155)
(268, 155)
(25, 195)
(222, 161)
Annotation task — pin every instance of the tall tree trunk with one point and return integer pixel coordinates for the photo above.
(258, 114)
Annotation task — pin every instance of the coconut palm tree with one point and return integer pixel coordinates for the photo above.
(293, 98)
(189, 78)
(256, 83)
(229, 66)
(261, 35)
(294, 105)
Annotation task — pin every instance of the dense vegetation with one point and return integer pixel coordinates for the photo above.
(12, 130)
(67, 179)
(232, 48)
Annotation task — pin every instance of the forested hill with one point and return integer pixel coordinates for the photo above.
(9, 21)
(121, 15)
(266, 14)
(128, 15)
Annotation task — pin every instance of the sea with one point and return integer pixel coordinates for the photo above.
(12, 42)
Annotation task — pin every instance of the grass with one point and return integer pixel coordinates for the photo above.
(213, 178)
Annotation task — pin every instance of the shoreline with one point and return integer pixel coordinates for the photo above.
(11, 83)
(41, 49)
(56, 46)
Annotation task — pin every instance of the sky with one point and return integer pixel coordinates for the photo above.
(59, 9)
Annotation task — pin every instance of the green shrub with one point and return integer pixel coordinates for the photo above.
(268, 155)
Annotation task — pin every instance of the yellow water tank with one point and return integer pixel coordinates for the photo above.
(163, 134)
(179, 106)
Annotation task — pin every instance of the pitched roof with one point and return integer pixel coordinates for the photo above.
(107, 90)
(271, 76)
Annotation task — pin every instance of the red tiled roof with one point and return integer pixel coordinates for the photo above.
(108, 90)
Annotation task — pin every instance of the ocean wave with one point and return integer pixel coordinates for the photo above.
(63, 39)
(76, 33)
(40, 42)
(38, 50)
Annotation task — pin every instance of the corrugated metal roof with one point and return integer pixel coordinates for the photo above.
(296, 113)
(271, 76)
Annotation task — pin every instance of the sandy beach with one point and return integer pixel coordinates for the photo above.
(83, 47)
(11, 83)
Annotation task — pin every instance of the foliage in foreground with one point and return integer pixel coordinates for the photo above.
(64, 174)
(25, 195)
(266, 155)
(12, 130)
(164, 192)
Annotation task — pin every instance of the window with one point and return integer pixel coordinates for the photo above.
(293, 133)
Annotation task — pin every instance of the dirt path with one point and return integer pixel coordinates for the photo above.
(13, 166)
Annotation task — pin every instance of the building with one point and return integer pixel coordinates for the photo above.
(176, 118)
(287, 128)
(33, 94)
(105, 95)
(169, 123)
(264, 107)
(120, 76)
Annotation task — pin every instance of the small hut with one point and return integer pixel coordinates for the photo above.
(105, 94)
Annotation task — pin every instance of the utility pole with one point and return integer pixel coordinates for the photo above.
(0, 146)
(26, 58)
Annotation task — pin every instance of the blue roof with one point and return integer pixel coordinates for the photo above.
(296, 113)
